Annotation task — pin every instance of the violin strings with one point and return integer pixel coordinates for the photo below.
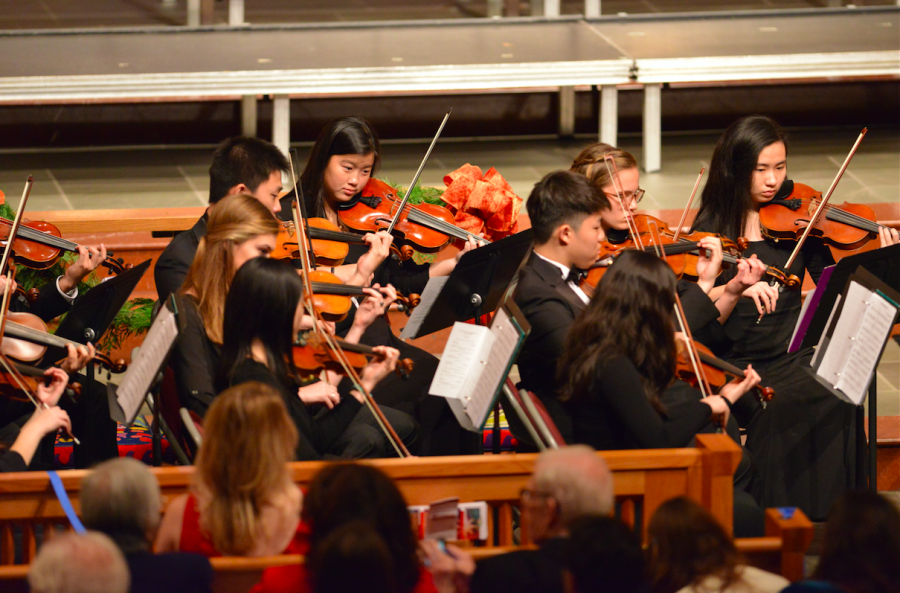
(840, 215)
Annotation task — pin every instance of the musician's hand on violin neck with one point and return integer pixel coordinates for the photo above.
(886, 236)
(377, 369)
(709, 263)
(379, 249)
(320, 392)
(77, 357)
(49, 394)
(89, 258)
(749, 272)
(4, 281)
(764, 295)
(736, 388)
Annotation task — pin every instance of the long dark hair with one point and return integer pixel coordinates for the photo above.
(726, 197)
(261, 304)
(861, 544)
(347, 135)
(687, 544)
(344, 493)
(630, 315)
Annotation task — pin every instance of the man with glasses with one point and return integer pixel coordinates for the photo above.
(567, 484)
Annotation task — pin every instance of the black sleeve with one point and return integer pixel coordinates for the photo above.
(818, 257)
(550, 319)
(50, 304)
(191, 362)
(407, 277)
(11, 461)
(173, 264)
(698, 307)
(619, 384)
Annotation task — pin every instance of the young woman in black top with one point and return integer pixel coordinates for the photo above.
(346, 154)
(263, 314)
(620, 356)
(804, 442)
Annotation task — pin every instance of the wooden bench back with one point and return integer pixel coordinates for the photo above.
(643, 480)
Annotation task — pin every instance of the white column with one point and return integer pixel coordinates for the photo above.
(551, 8)
(235, 12)
(609, 114)
(248, 115)
(494, 8)
(193, 13)
(566, 111)
(652, 127)
(592, 8)
(281, 123)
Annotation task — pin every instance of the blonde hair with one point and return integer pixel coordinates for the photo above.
(589, 163)
(233, 220)
(241, 466)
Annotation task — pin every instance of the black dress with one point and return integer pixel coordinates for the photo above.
(803, 443)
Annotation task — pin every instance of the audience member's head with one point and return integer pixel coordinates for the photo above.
(687, 544)
(566, 484)
(241, 466)
(602, 554)
(79, 563)
(353, 493)
(353, 557)
(861, 549)
(246, 165)
(121, 498)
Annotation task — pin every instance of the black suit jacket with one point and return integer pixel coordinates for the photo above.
(524, 571)
(175, 261)
(551, 306)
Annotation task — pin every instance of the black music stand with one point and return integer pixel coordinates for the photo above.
(477, 285)
(884, 264)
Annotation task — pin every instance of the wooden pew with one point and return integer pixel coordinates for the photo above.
(643, 480)
(231, 575)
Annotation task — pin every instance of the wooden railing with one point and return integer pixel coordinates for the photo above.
(643, 480)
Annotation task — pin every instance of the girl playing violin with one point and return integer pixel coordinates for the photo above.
(346, 154)
(43, 422)
(708, 309)
(240, 228)
(804, 442)
(263, 314)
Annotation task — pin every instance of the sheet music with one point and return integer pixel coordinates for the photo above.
(145, 367)
(838, 348)
(465, 354)
(820, 347)
(506, 340)
(428, 298)
(866, 350)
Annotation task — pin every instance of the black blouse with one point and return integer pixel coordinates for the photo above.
(616, 414)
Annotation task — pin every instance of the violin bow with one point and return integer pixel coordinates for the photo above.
(415, 180)
(305, 251)
(822, 207)
(10, 368)
(688, 206)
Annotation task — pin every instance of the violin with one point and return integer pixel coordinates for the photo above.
(26, 339)
(330, 244)
(426, 228)
(847, 227)
(682, 254)
(717, 371)
(32, 378)
(38, 245)
(332, 297)
(312, 355)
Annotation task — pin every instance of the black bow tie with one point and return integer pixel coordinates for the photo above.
(576, 275)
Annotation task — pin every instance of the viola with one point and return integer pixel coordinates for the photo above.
(38, 245)
(312, 355)
(426, 228)
(718, 372)
(847, 227)
(332, 297)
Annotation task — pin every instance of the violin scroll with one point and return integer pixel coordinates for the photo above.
(742, 244)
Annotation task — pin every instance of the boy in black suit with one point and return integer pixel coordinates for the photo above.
(565, 210)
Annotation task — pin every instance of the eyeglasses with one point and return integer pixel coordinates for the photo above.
(526, 494)
(629, 197)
